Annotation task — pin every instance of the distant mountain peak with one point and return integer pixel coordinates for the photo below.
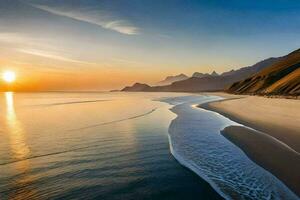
(139, 84)
(214, 73)
(200, 75)
(171, 79)
(182, 75)
(208, 82)
(137, 87)
(176, 76)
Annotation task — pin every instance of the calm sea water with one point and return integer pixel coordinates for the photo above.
(91, 146)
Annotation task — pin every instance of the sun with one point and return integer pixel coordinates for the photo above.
(9, 76)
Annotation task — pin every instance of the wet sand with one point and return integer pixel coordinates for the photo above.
(275, 142)
(269, 153)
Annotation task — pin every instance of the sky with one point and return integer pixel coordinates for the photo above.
(107, 44)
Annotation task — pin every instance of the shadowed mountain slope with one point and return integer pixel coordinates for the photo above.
(280, 78)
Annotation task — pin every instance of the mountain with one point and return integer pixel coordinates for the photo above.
(280, 78)
(137, 87)
(210, 82)
(194, 84)
(171, 79)
(248, 71)
(214, 73)
(202, 75)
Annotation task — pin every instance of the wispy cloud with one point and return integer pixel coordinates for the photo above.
(45, 67)
(51, 55)
(95, 17)
(16, 38)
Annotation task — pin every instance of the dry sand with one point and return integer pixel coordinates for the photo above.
(279, 118)
(269, 153)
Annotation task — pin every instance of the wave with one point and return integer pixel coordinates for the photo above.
(193, 167)
(115, 121)
(196, 142)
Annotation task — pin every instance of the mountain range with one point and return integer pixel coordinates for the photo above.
(180, 77)
(202, 75)
(280, 76)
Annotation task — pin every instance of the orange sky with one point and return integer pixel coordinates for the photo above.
(36, 73)
(29, 80)
(105, 45)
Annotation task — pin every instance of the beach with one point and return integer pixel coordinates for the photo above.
(275, 142)
(269, 153)
(279, 118)
(196, 142)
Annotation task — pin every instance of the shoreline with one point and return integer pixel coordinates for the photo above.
(276, 117)
(192, 147)
(192, 168)
(269, 153)
(262, 146)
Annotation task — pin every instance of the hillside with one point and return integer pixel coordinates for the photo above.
(280, 78)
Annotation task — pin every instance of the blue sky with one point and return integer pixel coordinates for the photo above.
(144, 39)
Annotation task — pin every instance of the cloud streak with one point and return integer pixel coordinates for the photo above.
(94, 17)
(46, 54)
(17, 38)
(36, 47)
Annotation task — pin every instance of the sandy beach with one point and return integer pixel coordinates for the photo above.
(279, 118)
(276, 144)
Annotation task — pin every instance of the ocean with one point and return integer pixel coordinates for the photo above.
(115, 145)
(91, 146)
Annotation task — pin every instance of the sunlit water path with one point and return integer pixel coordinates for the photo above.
(91, 146)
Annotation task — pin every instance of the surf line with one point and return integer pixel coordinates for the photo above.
(115, 121)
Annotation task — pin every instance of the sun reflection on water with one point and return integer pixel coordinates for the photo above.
(18, 144)
(19, 151)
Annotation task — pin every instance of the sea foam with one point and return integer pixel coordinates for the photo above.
(196, 142)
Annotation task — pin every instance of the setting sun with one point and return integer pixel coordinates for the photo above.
(9, 76)
(149, 99)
